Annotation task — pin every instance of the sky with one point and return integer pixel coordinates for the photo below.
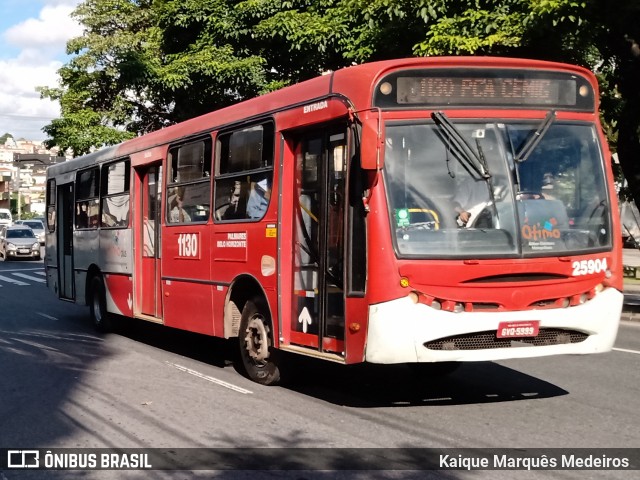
(33, 37)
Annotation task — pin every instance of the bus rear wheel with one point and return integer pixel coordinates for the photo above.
(256, 342)
(98, 306)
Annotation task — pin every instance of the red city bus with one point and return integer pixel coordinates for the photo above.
(400, 212)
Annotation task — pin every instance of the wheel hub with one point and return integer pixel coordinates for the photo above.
(257, 339)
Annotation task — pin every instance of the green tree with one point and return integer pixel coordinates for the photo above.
(107, 91)
(144, 64)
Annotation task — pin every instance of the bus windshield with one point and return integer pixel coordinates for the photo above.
(460, 189)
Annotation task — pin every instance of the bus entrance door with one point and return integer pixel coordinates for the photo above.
(64, 241)
(318, 300)
(148, 293)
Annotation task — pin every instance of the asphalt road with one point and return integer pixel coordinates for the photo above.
(62, 385)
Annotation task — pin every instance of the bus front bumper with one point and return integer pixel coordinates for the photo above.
(401, 331)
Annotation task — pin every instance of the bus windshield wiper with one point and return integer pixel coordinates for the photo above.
(465, 153)
(471, 158)
(534, 139)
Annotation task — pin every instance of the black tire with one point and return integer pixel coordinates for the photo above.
(100, 318)
(434, 370)
(256, 344)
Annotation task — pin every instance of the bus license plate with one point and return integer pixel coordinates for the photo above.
(518, 329)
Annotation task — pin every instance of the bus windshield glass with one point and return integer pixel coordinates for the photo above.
(460, 189)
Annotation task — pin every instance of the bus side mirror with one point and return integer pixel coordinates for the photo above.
(372, 141)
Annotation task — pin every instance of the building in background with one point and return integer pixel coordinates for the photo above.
(23, 166)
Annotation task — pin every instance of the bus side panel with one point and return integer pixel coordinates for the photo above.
(246, 249)
(262, 259)
(188, 306)
(85, 246)
(186, 278)
(219, 303)
(119, 294)
(116, 251)
(616, 267)
(115, 257)
(356, 317)
(52, 279)
(286, 224)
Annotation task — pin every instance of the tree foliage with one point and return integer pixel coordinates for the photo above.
(144, 64)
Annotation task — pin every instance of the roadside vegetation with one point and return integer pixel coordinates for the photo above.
(145, 64)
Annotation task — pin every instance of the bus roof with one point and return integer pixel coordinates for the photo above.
(355, 83)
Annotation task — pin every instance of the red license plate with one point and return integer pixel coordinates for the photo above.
(518, 329)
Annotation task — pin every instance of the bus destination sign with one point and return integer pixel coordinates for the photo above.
(526, 91)
(487, 87)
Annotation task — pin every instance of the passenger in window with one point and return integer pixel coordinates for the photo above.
(237, 204)
(258, 199)
(178, 214)
(82, 219)
(93, 209)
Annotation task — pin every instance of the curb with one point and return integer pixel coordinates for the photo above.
(630, 316)
(631, 306)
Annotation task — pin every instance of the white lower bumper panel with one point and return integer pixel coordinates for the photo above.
(398, 330)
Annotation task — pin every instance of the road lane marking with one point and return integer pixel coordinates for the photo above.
(230, 386)
(47, 316)
(637, 352)
(29, 277)
(35, 270)
(13, 280)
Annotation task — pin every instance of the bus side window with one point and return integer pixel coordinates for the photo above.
(115, 194)
(189, 186)
(51, 202)
(87, 201)
(244, 171)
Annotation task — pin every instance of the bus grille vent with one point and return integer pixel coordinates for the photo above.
(487, 340)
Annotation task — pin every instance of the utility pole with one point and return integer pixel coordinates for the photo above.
(19, 206)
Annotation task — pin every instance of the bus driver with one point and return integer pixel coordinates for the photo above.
(470, 198)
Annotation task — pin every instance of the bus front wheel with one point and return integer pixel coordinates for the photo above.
(98, 306)
(256, 344)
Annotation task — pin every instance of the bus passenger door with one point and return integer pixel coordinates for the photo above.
(148, 289)
(65, 202)
(319, 204)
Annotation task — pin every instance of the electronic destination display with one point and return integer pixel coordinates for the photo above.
(485, 87)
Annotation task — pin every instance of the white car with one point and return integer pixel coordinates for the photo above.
(19, 241)
(36, 225)
(5, 217)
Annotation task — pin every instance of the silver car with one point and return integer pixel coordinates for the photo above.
(19, 241)
(36, 225)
